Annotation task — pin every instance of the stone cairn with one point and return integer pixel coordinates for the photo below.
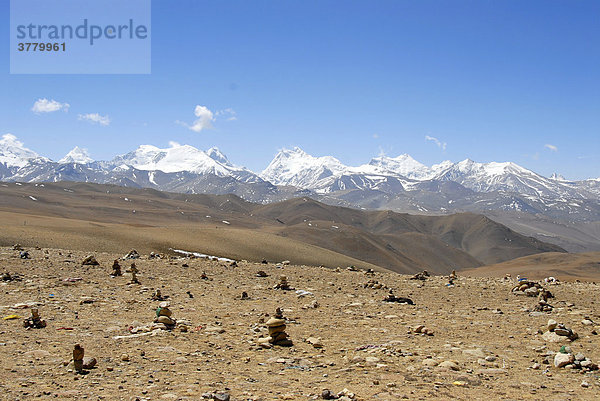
(116, 269)
(134, 271)
(163, 315)
(277, 335)
(79, 362)
(558, 332)
(35, 321)
(78, 353)
(529, 288)
(283, 284)
(158, 296)
(453, 276)
(566, 359)
(401, 300)
(543, 305)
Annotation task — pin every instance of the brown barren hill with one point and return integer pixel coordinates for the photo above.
(110, 218)
(564, 266)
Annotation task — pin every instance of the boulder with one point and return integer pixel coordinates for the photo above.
(561, 360)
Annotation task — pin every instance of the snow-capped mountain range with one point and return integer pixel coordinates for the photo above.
(398, 183)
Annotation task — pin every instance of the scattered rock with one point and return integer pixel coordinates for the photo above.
(401, 300)
(420, 276)
(561, 360)
(133, 254)
(90, 261)
(315, 342)
(449, 365)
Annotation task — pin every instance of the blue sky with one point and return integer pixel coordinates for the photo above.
(492, 80)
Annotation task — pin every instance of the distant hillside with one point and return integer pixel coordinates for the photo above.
(301, 229)
(585, 266)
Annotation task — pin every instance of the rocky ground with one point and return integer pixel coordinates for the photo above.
(487, 342)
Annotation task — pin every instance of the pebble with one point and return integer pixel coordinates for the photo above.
(449, 365)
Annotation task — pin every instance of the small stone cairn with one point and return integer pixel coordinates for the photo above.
(283, 284)
(277, 335)
(116, 269)
(528, 288)
(453, 276)
(558, 332)
(401, 300)
(158, 296)
(543, 305)
(35, 321)
(78, 353)
(566, 359)
(163, 315)
(134, 271)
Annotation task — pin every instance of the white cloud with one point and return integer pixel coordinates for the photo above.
(375, 136)
(204, 120)
(441, 145)
(229, 113)
(95, 118)
(49, 106)
(552, 148)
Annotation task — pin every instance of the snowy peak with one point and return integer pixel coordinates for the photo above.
(298, 168)
(506, 176)
(557, 177)
(182, 158)
(403, 165)
(77, 156)
(173, 159)
(13, 153)
(215, 154)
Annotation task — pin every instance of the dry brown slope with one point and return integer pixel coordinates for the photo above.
(380, 237)
(219, 241)
(477, 235)
(564, 266)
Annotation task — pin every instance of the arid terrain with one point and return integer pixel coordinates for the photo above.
(485, 343)
(470, 339)
(111, 218)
